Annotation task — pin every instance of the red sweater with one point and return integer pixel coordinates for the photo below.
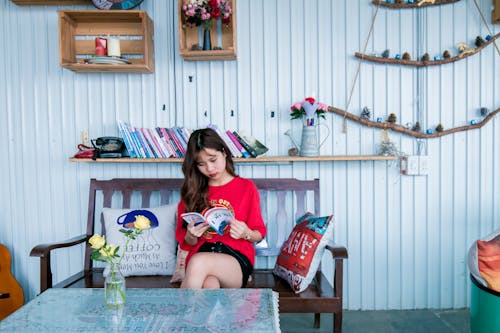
(241, 197)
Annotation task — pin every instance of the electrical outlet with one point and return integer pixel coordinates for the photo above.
(423, 165)
(416, 165)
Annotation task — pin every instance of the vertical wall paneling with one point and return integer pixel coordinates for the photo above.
(407, 236)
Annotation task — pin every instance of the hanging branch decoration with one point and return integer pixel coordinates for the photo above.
(427, 61)
(407, 131)
(413, 4)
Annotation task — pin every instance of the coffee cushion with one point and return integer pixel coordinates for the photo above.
(152, 252)
(301, 254)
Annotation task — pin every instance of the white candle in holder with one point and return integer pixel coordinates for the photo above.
(114, 47)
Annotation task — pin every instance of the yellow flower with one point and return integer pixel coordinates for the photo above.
(97, 241)
(108, 251)
(142, 222)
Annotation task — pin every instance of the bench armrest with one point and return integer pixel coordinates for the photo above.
(338, 251)
(43, 252)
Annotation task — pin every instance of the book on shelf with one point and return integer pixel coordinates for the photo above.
(175, 139)
(127, 139)
(166, 139)
(149, 140)
(163, 146)
(217, 217)
(251, 144)
(232, 148)
(243, 151)
(145, 144)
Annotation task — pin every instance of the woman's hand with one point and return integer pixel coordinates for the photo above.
(239, 230)
(195, 231)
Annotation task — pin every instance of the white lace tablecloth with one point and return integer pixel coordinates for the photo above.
(149, 310)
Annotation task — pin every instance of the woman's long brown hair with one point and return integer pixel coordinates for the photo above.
(194, 190)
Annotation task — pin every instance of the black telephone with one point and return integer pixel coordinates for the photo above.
(110, 147)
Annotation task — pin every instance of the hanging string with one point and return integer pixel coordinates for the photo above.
(486, 24)
(344, 127)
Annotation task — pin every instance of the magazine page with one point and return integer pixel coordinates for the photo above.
(219, 218)
(189, 217)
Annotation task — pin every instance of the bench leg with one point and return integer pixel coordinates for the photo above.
(337, 322)
(317, 320)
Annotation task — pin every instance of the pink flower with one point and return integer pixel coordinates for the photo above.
(298, 106)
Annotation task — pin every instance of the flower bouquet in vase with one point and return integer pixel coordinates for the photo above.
(196, 13)
(310, 111)
(114, 283)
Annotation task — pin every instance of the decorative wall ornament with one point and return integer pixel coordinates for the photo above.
(416, 131)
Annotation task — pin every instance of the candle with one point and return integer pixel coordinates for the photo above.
(100, 46)
(114, 47)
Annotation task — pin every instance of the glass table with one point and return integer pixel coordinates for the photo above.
(149, 310)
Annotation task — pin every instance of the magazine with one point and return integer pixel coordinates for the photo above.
(217, 217)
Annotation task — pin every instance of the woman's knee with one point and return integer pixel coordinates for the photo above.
(211, 282)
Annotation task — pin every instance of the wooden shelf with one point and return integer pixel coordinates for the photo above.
(79, 28)
(417, 63)
(51, 2)
(384, 3)
(263, 159)
(223, 36)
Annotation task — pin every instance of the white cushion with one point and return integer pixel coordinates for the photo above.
(152, 252)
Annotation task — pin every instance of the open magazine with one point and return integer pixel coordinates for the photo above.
(217, 217)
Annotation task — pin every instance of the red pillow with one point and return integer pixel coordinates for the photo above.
(301, 254)
(488, 255)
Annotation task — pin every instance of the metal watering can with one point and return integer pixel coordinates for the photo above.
(309, 146)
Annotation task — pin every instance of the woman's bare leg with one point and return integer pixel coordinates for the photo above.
(212, 270)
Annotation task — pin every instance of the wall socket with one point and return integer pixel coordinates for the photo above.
(417, 165)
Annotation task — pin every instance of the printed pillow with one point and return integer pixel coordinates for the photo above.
(152, 252)
(301, 254)
(488, 259)
(180, 265)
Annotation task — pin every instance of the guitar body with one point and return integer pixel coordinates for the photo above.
(11, 294)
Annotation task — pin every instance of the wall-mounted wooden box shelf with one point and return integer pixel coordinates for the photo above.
(79, 28)
(221, 35)
(51, 2)
(495, 14)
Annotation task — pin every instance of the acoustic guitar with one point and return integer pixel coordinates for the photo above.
(11, 294)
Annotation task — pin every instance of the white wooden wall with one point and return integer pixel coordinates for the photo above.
(407, 236)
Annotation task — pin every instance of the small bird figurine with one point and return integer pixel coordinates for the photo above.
(464, 48)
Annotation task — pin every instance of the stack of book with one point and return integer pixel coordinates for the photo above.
(161, 142)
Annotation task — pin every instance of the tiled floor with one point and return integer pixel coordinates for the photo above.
(411, 321)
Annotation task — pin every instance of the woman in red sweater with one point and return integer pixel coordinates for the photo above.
(217, 261)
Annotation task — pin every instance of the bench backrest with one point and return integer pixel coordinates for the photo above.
(283, 200)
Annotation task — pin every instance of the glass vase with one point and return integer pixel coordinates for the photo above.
(207, 40)
(114, 288)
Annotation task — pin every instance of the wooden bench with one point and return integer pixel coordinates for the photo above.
(278, 198)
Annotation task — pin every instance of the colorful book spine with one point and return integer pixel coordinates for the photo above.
(244, 152)
(164, 149)
(178, 153)
(137, 142)
(164, 137)
(144, 144)
(245, 145)
(127, 140)
(172, 135)
(154, 143)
